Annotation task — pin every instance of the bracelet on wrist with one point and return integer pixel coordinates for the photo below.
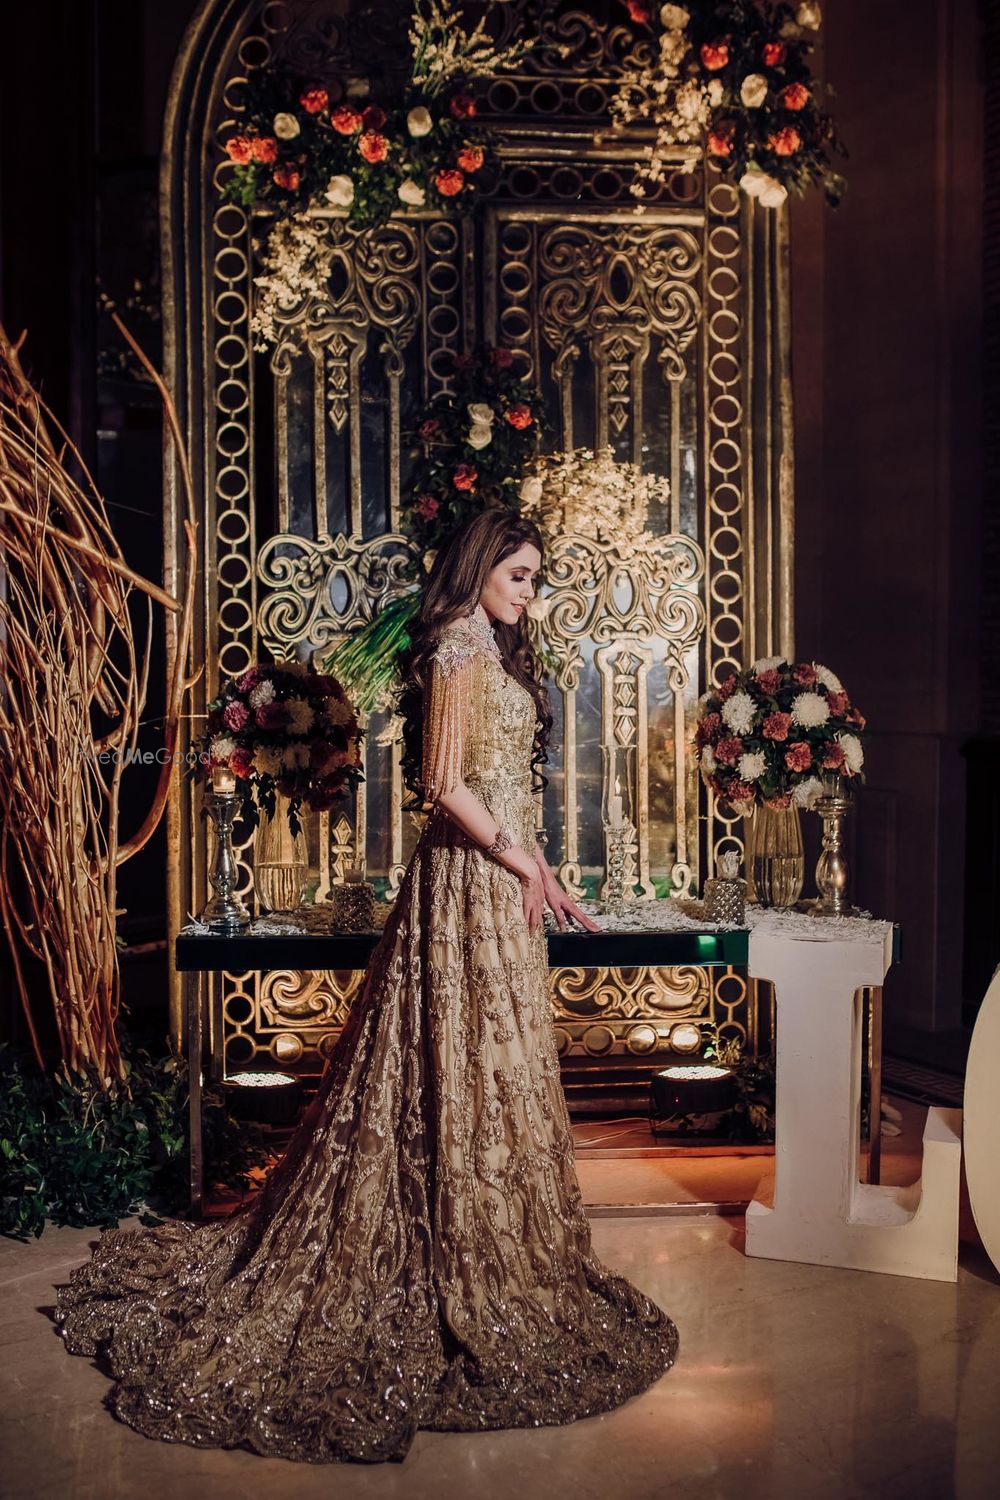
(503, 841)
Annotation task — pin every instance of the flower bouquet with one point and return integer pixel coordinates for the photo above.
(282, 730)
(769, 735)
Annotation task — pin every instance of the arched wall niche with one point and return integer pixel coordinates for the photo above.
(662, 334)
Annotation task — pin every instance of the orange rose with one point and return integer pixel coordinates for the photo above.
(639, 12)
(795, 96)
(449, 182)
(774, 54)
(373, 146)
(345, 120)
(264, 149)
(238, 149)
(715, 55)
(786, 142)
(314, 101)
(720, 143)
(471, 158)
(519, 416)
(464, 477)
(287, 177)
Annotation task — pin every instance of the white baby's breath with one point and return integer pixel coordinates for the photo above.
(296, 264)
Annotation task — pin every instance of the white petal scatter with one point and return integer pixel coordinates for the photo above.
(809, 710)
(738, 712)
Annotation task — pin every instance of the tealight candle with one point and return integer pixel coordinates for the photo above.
(223, 780)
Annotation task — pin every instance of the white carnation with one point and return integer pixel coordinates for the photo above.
(479, 436)
(854, 755)
(809, 15)
(531, 490)
(674, 17)
(830, 681)
(262, 693)
(481, 414)
(810, 710)
(805, 794)
(222, 747)
(772, 194)
(752, 765)
(267, 760)
(295, 757)
(300, 715)
(753, 90)
(738, 712)
(412, 193)
(286, 127)
(340, 192)
(767, 664)
(419, 122)
(708, 761)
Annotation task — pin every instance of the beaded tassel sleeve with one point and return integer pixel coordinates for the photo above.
(449, 702)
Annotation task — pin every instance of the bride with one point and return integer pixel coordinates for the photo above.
(420, 1257)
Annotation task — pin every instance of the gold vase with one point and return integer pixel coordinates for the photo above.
(775, 861)
(280, 863)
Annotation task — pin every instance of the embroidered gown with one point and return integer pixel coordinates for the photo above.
(420, 1257)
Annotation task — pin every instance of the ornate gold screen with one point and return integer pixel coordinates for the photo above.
(661, 335)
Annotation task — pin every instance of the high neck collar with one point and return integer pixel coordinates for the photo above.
(482, 630)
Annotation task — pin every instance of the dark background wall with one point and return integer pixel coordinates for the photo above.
(887, 311)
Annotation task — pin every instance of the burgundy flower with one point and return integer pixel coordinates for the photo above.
(728, 688)
(428, 507)
(519, 416)
(249, 680)
(805, 674)
(429, 428)
(287, 177)
(738, 791)
(502, 358)
(729, 750)
(706, 728)
(272, 716)
(235, 715)
(769, 681)
(241, 761)
(779, 803)
(463, 107)
(833, 756)
(373, 118)
(776, 726)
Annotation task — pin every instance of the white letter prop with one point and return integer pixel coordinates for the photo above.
(822, 1213)
(982, 1121)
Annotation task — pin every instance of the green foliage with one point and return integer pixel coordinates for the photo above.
(72, 1154)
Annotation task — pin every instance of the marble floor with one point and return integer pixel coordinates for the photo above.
(793, 1381)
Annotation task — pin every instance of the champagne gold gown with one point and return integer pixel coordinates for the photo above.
(420, 1257)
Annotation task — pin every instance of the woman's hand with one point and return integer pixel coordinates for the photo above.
(561, 904)
(533, 899)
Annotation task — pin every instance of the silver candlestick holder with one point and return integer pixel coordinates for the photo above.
(619, 839)
(832, 871)
(225, 912)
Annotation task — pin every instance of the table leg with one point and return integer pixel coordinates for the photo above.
(192, 1001)
(875, 1085)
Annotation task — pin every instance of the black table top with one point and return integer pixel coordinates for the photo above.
(265, 952)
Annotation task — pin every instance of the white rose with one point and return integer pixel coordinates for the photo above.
(772, 194)
(531, 490)
(538, 607)
(286, 127)
(340, 192)
(752, 766)
(716, 92)
(854, 754)
(753, 90)
(479, 436)
(412, 193)
(480, 414)
(419, 122)
(810, 710)
(752, 183)
(674, 17)
(358, 88)
(738, 712)
(809, 15)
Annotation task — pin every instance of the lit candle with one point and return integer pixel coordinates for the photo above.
(223, 780)
(616, 805)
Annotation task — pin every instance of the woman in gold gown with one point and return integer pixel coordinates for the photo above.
(420, 1257)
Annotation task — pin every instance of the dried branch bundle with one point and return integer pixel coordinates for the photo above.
(74, 686)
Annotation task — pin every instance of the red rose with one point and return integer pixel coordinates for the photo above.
(314, 101)
(786, 142)
(502, 358)
(805, 674)
(463, 107)
(373, 147)
(639, 12)
(471, 158)
(833, 756)
(774, 54)
(465, 477)
(264, 149)
(373, 118)
(429, 428)
(769, 681)
(795, 96)
(239, 148)
(715, 55)
(345, 120)
(428, 506)
(720, 143)
(519, 416)
(839, 704)
(729, 750)
(728, 688)
(798, 757)
(235, 716)
(287, 177)
(241, 761)
(776, 726)
(449, 182)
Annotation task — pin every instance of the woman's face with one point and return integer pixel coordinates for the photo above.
(511, 585)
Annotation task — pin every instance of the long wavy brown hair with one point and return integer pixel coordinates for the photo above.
(452, 590)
